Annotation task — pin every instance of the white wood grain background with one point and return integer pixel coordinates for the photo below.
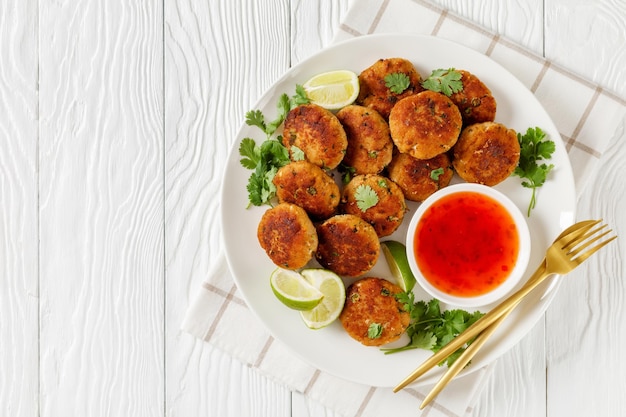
(115, 119)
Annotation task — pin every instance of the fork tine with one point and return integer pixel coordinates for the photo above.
(576, 249)
(575, 231)
(581, 258)
(573, 239)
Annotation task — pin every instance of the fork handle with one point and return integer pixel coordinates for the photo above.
(485, 321)
(464, 359)
(470, 352)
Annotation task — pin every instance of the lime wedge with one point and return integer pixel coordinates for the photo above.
(395, 255)
(333, 90)
(293, 290)
(327, 311)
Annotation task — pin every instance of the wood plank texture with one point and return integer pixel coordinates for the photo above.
(19, 291)
(220, 57)
(101, 208)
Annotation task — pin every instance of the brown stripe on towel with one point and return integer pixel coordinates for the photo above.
(309, 386)
(263, 352)
(494, 41)
(365, 401)
(230, 295)
(573, 140)
(540, 76)
(442, 17)
(221, 311)
(350, 30)
(379, 14)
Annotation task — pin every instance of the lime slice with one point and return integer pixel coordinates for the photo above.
(331, 285)
(293, 290)
(395, 254)
(333, 90)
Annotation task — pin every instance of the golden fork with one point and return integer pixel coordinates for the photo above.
(562, 256)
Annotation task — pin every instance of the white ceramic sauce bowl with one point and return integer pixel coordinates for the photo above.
(518, 268)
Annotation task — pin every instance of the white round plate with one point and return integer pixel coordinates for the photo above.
(331, 349)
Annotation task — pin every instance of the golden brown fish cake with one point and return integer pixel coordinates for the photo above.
(348, 245)
(486, 153)
(475, 101)
(425, 125)
(288, 236)
(387, 214)
(419, 178)
(308, 186)
(369, 143)
(374, 92)
(318, 133)
(372, 315)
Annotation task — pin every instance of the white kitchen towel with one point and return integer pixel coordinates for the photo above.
(587, 117)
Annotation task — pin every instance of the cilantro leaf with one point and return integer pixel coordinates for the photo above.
(347, 172)
(436, 173)
(256, 118)
(264, 160)
(297, 154)
(375, 330)
(446, 81)
(250, 152)
(365, 197)
(397, 82)
(430, 328)
(300, 97)
(534, 147)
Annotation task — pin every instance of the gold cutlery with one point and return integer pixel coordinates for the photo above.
(565, 254)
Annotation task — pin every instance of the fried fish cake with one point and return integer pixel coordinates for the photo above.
(475, 100)
(375, 93)
(419, 178)
(288, 236)
(309, 187)
(318, 133)
(348, 245)
(387, 213)
(425, 125)
(486, 153)
(372, 315)
(369, 142)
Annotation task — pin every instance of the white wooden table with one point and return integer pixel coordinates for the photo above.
(115, 119)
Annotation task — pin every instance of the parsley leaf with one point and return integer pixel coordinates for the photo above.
(397, 82)
(297, 154)
(435, 173)
(300, 97)
(266, 159)
(347, 172)
(432, 329)
(375, 330)
(256, 118)
(446, 81)
(250, 152)
(285, 103)
(365, 197)
(534, 147)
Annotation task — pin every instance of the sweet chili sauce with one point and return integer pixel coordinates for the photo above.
(466, 244)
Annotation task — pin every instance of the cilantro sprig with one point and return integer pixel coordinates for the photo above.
(446, 81)
(397, 82)
(267, 158)
(430, 328)
(534, 147)
(264, 160)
